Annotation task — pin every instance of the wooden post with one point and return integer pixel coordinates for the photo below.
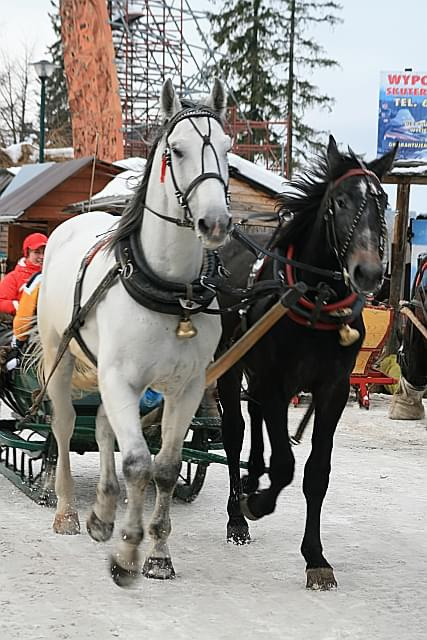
(398, 258)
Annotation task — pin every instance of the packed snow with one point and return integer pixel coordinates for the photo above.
(374, 534)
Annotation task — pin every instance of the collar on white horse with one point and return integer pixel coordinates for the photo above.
(163, 296)
(183, 197)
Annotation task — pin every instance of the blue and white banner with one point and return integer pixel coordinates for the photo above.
(418, 243)
(402, 113)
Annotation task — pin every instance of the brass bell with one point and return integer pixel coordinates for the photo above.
(348, 335)
(185, 329)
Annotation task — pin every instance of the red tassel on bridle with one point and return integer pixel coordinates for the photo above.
(163, 169)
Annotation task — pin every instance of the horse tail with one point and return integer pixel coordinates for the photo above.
(84, 379)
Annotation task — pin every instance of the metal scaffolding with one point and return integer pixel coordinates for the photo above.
(156, 39)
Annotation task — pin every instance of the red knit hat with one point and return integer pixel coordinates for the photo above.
(33, 241)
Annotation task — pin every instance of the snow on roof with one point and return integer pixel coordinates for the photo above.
(411, 169)
(136, 163)
(125, 183)
(59, 152)
(122, 185)
(17, 151)
(257, 174)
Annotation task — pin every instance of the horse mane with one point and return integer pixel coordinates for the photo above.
(306, 193)
(131, 219)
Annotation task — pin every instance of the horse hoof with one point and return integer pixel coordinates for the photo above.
(121, 576)
(238, 534)
(244, 508)
(158, 568)
(97, 529)
(66, 523)
(321, 579)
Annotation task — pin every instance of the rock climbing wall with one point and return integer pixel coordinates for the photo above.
(93, 89)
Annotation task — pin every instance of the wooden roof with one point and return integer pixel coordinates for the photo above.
(71, 181)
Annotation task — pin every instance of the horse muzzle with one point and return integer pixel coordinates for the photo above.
(213, 230)
(366, 272)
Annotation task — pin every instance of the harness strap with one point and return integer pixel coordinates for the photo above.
(256, 248)
(72, 331)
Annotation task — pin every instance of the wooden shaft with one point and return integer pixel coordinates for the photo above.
(242, 346)
(413, 318)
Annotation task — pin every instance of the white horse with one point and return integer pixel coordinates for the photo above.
(179, 211)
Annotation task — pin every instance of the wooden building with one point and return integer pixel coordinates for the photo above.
(37, 204)
(254, 192)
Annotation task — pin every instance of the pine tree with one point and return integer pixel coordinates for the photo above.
(262, 43)
(58, 119)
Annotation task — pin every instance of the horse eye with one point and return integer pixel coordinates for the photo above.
(177, 152)
(340, 202)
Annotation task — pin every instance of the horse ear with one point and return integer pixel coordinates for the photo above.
(217, 100)
(334, 156)
(169, 102)
(383, 165)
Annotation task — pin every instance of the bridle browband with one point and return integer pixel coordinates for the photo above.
(183, 197)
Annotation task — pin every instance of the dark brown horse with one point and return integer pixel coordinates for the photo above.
(337, 230)
(407, 401)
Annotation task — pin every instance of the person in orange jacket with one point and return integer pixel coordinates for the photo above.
(13, 283)
(27, 309)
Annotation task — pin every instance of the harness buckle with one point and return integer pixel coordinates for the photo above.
(127, 270)
(210, 286)
(188, 305)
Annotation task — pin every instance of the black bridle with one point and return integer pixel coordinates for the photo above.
(329, 217)
(375, 191)
(184, 196)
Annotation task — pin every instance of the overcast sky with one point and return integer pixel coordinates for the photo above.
(376, 35)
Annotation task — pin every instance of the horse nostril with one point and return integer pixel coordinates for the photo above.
(203, 227)
(368, 276)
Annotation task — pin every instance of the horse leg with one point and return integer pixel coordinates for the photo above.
(329, 405)
(121, 406)
(177, 415)
(282, 461)
(256, 464)
(100, 522)
(59, 389)
(233, 428)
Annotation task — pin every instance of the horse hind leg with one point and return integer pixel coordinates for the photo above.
(233, 428)
(256, 464)
(59, 390)
(100, 522)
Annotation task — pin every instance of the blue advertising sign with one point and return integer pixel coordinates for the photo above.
(402, 114)
(418, 243)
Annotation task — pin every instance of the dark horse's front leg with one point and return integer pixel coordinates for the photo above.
(282, 463)
(329, 405)
(233, 428)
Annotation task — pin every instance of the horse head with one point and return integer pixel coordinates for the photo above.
(194, 166)
(356, 203)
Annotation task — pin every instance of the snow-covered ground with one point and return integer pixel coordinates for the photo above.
(374, 534)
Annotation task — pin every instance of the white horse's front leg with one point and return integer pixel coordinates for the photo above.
(100, 522)
(122, 408)
(177, 415)
(59, 390)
